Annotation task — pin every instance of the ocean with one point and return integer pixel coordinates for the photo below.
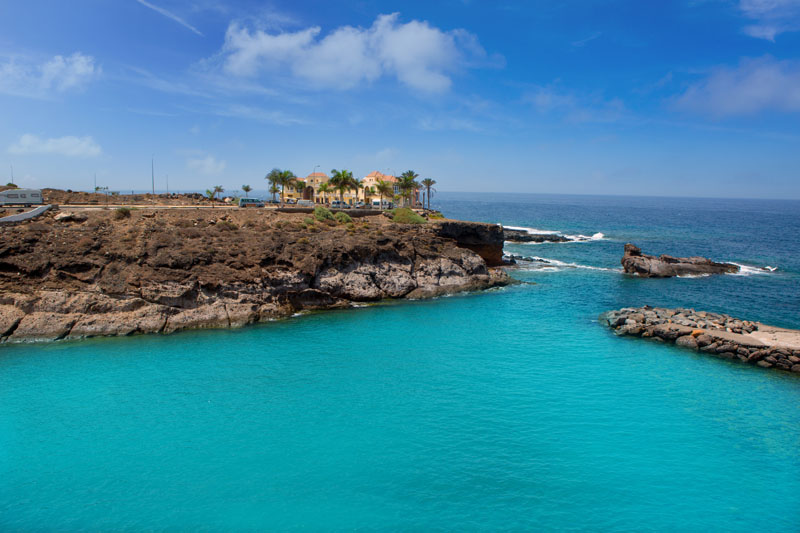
(510, 409)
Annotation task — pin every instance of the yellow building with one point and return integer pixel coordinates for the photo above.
(308, 189)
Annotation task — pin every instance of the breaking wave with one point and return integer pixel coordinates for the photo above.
(749, 270)
(543, 264)
(572, 238)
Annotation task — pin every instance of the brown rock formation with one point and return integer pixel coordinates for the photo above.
(104, 273)
(665, 266)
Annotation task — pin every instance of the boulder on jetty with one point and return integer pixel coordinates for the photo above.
(715, 334)
(518, 235)
(666, 266)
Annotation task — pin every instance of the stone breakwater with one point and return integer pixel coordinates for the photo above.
(715, 334)
(108, 273)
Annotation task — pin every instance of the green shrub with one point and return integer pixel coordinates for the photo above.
(122, 212)
(435, 215)
(322, 213)
(308, 221)
(342, 218)
(404, 215)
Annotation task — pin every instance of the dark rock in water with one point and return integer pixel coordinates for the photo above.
(517, 235)
(514, 258)
(665, 266)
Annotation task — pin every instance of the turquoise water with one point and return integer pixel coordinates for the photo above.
(510, 409)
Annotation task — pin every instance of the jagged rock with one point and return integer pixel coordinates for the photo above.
(515, 235)
(665, 266)
(70, 217)
(486, 240)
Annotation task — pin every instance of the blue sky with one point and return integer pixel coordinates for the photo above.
(676, 98)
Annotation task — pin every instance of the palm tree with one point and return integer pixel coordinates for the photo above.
(218, 189)
(342, 180)
(272, 178)
(211, 193)
(246, 189)
(428, 183)
(356, 185)
(368, 192)
(324, 189)
(273, 190)
(283, 179)
(408, 184)
(384, 188)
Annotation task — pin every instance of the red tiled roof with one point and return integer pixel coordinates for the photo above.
(380, 176)
(317, 175)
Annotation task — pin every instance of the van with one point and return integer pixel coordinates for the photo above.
(376, 204)
(25, 197)
(338, 204)
(305, 203)
(250, 202)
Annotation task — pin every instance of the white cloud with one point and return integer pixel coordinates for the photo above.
(761, 84)
(206, 165)
(59, 74)
(417, 54)
(771, 17)
(170, 15)
(68, 146)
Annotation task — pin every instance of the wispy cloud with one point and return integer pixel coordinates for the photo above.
(67, 146)
(417, 54)
(755, 85)
(56, 75)
(572, 107)
(582, 42)
(772, 17)
(269, 116)
(208, 165)
(170, 15)
(446, 123)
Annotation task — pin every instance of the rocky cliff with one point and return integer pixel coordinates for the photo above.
(106, 272)
(666, 266)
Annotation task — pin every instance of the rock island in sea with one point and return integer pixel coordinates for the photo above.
(81, 273)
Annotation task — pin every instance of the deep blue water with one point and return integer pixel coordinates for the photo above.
(509, 409)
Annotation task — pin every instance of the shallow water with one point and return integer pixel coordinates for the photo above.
(510, 409)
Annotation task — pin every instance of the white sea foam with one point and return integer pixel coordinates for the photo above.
(572, 238)
(533, 231)
(543, 264)
(748, 270)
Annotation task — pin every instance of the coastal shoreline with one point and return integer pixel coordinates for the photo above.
(79, 274)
